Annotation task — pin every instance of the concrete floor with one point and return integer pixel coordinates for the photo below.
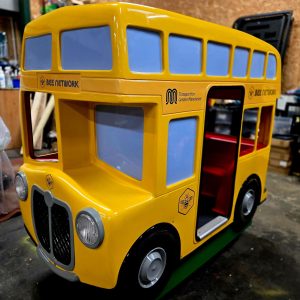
(264, 263)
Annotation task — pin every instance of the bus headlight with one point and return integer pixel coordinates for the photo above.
(21, 185)
(89, 228)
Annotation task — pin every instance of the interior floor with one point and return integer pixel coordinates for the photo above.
(203, 219)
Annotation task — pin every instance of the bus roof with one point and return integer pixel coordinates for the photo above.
(71, 17)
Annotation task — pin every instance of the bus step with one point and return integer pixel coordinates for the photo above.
(211, 226)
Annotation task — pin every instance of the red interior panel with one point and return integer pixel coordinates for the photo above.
(218, 167)
(247, 146)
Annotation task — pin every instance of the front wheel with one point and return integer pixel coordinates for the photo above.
(148, 265)
(246, 204)
(152, 267)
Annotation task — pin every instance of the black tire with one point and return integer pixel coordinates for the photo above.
(246, 204)
(132, 279)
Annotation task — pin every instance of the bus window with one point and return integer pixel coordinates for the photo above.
(257, 65)
(86, 49)
(38, 53)
(120, 138)
(271, 67)
(264, 127)
(240, 64)
(248, 131)
(223, 115)
(144, 50)
(41, 131)
(184, 55)
(181, 149)
(217, 59)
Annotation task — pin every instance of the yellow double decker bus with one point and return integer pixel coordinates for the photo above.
(163, 129)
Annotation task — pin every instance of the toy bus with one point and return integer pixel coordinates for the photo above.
(163, 128)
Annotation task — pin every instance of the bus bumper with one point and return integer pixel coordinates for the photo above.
(70, 276)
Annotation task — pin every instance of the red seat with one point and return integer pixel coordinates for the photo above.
(218, 166)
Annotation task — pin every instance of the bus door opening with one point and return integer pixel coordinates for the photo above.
(219, 157)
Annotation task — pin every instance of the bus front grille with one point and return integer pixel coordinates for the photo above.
(52, 222)
(61, 234)
(41, 220)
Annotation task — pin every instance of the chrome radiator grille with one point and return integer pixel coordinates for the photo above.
(53, 226)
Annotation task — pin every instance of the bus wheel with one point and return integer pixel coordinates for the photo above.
(246, 204)
(149, 265)
(152, 267)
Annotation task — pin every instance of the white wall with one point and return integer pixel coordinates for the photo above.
(12, 5)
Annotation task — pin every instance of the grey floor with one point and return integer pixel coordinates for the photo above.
(264, 263)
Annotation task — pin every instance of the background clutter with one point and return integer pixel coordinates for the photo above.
(8, 200)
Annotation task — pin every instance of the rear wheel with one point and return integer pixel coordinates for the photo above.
(246, 204)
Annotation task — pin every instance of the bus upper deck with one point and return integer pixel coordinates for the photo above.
(128, 41)
(124, 54)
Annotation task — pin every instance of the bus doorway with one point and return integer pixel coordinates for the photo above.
(219, 157)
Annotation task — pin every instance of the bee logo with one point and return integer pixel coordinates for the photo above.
(186, 201)
(49, 181)
(251, 92)
(42, 81)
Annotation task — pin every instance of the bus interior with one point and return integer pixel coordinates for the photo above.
(219, 157)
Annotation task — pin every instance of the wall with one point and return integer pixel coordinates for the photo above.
(225, 12)
(35, 8)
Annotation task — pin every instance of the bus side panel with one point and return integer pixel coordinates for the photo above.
(252, 164)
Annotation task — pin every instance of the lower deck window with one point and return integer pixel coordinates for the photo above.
(248, 131)
(181, 149)
(120, 138)
(264, 127)
(41, 125)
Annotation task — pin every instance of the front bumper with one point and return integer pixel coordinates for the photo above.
(71, 276)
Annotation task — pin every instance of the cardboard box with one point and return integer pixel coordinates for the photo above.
(281, 143)
(280, 163)
(285, 155)
(285, 171)
(281, 150)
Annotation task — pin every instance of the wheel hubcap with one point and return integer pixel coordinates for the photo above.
(248, 202)
(152, 267)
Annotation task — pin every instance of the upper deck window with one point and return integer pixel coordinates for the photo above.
(144, 50)
(86, 49)
(240, 62)
(38, 53)
(257, 65)
(120, 138)
(217, 59)
(271, 67)
(184, 55)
